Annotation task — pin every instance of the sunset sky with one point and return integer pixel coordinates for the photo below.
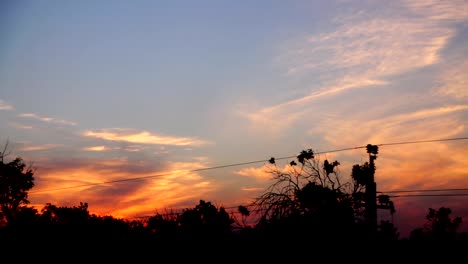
(100, 91)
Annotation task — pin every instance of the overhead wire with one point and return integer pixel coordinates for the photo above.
(424, 190)
(184, 172)
(429, 195)
(238, 164)
(180, 211)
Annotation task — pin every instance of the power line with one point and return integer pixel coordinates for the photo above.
(422, 141)
(183, 172)
(181, 211)
(428, 195)
(426, 190)
(239, 164)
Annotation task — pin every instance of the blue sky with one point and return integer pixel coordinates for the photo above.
(96, 91)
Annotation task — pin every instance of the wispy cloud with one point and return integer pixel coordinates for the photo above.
(423, 114)
(142, 137)
(419, 124)
(366, 51)
(453, 10)
(261, 173)
(291, 111)
(19, 125)
(5, 106)
(134, 148)
(96, 148)
(372, 49)
(252, 189)
(40, 147)
(454, 81)
(48, 119)
(264, 173)
(102, 148)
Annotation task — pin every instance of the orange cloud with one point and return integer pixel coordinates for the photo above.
(420, 166)
(375, 127)
(96, 148)
(143, 137)
(40, 147)
(421, 114)
(252, 189)
(262, 173)
(108, 188)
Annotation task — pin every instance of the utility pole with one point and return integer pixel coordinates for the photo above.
(371, 190)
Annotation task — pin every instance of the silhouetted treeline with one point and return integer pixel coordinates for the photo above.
(307, 202)
(205, 222)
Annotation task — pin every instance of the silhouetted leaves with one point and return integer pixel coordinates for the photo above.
(372, 149)
(330, 167)
(361, 174)
(243, 210)
(305, 155)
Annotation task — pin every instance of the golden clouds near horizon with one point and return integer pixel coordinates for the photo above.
(119, 187)
(143, 137)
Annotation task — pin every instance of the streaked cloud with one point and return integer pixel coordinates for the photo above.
(419, 124)
(365, 51)
(283, 115)
(102, 148)
(252, 189)
(265, 173)
(40, 147)
(19, 125)
(372, 49)
(162, 150)
(5, 106)
(109, 188)
(96, 148)
(453, 10)
(421, 115)
(134, 148)
(48, 119)
(142, 137)
(408, 166)
(261, 173)
(454, 81)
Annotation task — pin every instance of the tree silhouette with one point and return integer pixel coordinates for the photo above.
(163, 226)
(205, 220)
(75, 215)
(244, 213)
(308, 197)
(16, 179)
(439, 226)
